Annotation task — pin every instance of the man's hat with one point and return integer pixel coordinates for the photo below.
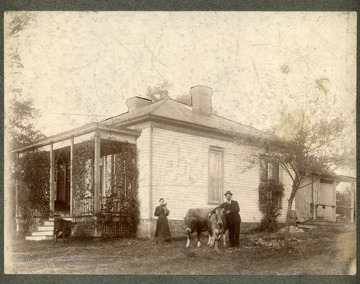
(228, 192)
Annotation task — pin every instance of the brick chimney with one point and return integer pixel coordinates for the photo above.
(137, 102)
(201, 99)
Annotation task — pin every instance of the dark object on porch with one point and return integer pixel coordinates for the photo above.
(62, 228)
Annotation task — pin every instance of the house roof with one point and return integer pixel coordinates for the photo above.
(174, 111)
(166, 110)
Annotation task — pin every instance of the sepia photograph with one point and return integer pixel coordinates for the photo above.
(180, 143)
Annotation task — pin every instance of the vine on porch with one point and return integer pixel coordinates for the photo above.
(31, 174)
(123, 187)
(120, 192)
(83, 175)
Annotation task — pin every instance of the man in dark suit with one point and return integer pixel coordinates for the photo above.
(233, 219)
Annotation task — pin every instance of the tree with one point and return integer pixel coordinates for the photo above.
(20, 113)
(314, 134)
(22, 130)
(312, 148)
(158, 92)
(21, 110)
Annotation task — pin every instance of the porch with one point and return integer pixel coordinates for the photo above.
(92, 172)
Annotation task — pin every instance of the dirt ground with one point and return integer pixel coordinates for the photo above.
(326, 250)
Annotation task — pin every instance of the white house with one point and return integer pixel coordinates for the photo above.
(184, 154)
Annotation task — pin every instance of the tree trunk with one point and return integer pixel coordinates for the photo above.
(288, 215)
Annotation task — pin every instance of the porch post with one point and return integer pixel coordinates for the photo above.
(71, 175)
(52, 180)
(97, 174)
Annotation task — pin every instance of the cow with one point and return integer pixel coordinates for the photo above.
(205, 219)
(62, 228)
(218, 228)
(197, 220)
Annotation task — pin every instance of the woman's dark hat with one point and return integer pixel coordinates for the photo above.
(228, 192)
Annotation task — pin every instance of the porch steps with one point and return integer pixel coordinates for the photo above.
(38, 238)
(46, 228)
(43, 233)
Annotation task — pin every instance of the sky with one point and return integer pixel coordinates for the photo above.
(81, 67)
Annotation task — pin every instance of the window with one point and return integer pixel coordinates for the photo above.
(216, 174)
(268, 171)
(271, 171)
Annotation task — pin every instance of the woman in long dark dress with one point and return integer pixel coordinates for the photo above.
(162, 225)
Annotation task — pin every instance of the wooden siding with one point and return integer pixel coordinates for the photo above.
(180, 174)
(303, 201)
(326, 204)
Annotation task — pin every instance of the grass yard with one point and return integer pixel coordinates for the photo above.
(326, 250)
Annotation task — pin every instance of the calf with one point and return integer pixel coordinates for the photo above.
(217, 222)
(197, 220)
(62, 228)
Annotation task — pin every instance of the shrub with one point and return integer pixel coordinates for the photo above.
(270, 194)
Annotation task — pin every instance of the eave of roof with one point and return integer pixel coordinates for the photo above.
(342, 178)
(88, 128)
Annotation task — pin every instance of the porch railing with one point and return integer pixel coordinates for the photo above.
(84, 206)
(110, 206)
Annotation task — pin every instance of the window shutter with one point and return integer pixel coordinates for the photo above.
(216, 173)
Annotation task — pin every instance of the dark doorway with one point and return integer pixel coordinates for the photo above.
(62, 194)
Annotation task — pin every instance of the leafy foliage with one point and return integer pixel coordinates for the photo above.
(124, 184)
(22, 130)
(21, 110)
(158, 92)
(269, 192)
(32, 176)
(83, 170)
(312, 148)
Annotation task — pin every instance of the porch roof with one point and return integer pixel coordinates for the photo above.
(340, 178)
(80, 131)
